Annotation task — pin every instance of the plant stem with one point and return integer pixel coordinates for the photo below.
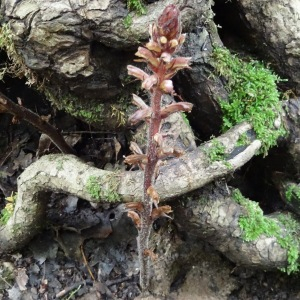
(146, 221)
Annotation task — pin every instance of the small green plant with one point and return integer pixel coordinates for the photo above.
(119, 114)
(8, 210)
(137, 6)
(253, 96)
(72, 294)
(254, 224)
(293, 190)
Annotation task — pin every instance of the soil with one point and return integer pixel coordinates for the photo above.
(90, 252)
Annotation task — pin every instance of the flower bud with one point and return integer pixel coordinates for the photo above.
(173, 43)
(147, 56)
(161, 211)
(153, 31)
(179, 63)
(137, 72)
(181, 39)
(167, 86)
(163, 40)
(153, 46)
(139, 102)
(169, 22)
(176, 107)
(166, 57)
(135, 218)
(136, 159)
(140, 115)
(149, 82)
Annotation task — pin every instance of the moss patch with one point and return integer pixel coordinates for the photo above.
(102, 190)
(16, 66)
(253, 96)
(136, 6)
(292, 193)
(254, 224)
(216, 152)
(93, 113)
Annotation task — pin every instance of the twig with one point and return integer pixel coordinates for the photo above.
(72, 287)
(86, 263)
(5, 281)
(117, 281)
(23, 113)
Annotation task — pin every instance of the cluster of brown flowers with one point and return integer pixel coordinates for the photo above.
(165, 40)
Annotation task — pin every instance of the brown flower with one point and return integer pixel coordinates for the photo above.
(175, 107)
(169, 23)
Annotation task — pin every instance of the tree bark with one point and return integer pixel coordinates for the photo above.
(274, 26)
(83, 49)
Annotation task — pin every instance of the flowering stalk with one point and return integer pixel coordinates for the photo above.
(165, 41)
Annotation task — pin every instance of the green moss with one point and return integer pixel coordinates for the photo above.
(60, 164)
(254, 224)
(291, 241)
(127, 21)
(16, 66)
(253, 96)
(216, 152)
(72, 105)
(103, 190)
(292, 192)
(243, 140)
(137, 6)
(185, 119)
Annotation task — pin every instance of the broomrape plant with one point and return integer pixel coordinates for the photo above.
(165, 40)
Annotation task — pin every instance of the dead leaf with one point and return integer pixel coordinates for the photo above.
(135, 218)
(134, 147)
(151, 254)
(22, 161)
(22, 279)
(72, 139)
(44, 145)
(117, 147)
(71, 202)
(14, 293)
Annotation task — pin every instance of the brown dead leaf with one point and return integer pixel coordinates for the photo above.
(44, 145)
(72, 139)
(22, 279)
(117, 147)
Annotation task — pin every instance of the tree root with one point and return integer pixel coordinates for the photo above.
(215, 215)
(216, 221)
